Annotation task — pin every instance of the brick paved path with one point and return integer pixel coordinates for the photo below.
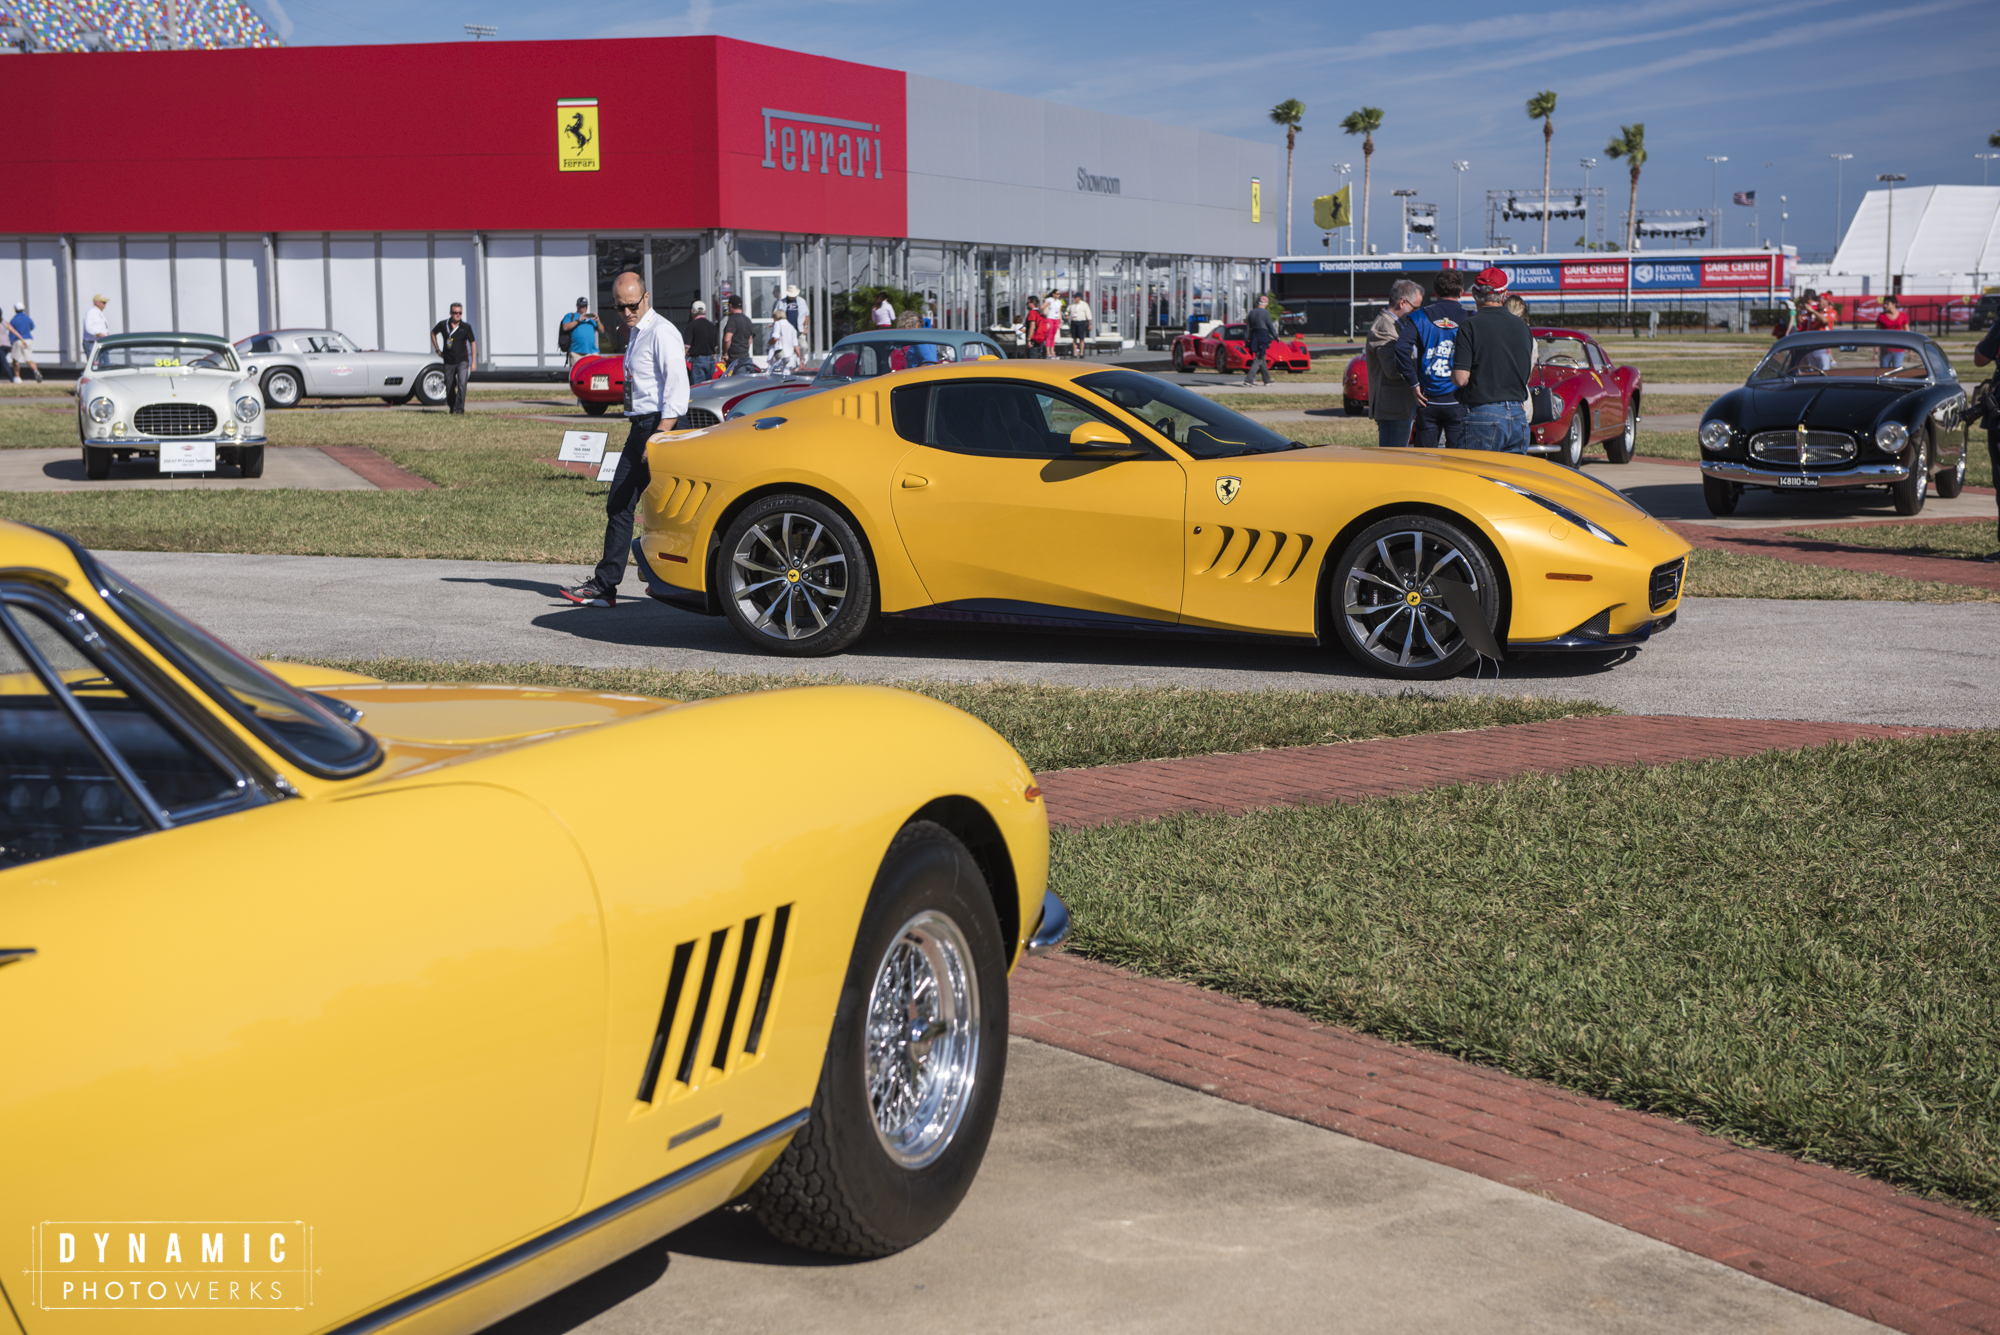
(1847, 1241)
(374, 468)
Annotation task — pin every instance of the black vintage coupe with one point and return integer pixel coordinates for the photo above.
(1839, 409)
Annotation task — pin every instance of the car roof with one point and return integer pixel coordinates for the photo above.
(1551, 331)
(163, 336)
(273, 333)
(955, 337)
(1893, 338)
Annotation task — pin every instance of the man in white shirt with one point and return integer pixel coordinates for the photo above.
(656, 390)
(95, 326)
(1079, 324)
(784, 347)
(885, 314)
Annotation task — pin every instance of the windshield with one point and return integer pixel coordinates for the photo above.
(1198, 425)
(292, 721)
(863, 361)
(1841, 361)
(165, 353)
(1562, 352)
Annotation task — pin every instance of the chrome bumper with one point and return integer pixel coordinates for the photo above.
(154, 443)
(1052, 928)
(1862, 475)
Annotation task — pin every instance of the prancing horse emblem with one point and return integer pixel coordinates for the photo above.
(1226, 488)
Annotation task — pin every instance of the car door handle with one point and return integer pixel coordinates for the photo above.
(911, 482)
(11, 955)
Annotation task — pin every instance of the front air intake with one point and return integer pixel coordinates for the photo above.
(174, 419)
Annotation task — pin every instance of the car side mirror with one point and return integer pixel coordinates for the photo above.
(1095, 440)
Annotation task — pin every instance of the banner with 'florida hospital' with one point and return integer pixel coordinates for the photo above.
(1692, 274)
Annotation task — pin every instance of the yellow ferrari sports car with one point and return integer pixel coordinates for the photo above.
(373, 1007)
(1102, 499)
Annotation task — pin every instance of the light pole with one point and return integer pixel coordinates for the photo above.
(1782, 216)
(1460, 167)
(478, 30)
(1715, 198)
(1403, 248)
(1344, 168)
(1839, 210)
(1984, 160)
(1590, 214)
(1889, 234)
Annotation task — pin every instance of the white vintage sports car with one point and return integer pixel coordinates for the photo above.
(293, 364)
(143, 393)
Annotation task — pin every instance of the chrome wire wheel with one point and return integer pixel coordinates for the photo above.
(923, 1039)
(788, 576)
(1395, 612)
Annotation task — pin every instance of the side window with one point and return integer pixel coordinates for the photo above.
(1598, 361)
(989, 417)
(179, 777)
(263, 343)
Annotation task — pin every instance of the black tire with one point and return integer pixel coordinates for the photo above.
(430, 389)
(1180, 364)
(1909, 494)
(96, 464)
(595, 409)
(283, 388)
(1721, 495)
(1951, 482)
(750, 571)
(1621, 447)
(839, 1187)
(250, 458)
(1364, 617)
(1569, 451)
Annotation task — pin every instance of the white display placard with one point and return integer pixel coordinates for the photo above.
(187, 456)
(600, 382)
(608, 470)
(583, 447)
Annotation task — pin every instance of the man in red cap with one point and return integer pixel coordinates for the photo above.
(1491, 363)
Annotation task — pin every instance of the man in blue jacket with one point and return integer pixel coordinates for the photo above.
(1423, 355)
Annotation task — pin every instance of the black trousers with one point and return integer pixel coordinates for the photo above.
(457, 375)
(1440, 419)
(628, 483)
(1993, 451)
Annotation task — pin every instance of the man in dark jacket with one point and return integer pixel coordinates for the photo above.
(1423, 355)
(701, 344)
(1492, 363)
(1263, 332)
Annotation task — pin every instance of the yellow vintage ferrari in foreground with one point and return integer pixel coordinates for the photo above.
(1103, 499)
(367, 1007)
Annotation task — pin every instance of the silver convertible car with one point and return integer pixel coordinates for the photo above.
(293, 364)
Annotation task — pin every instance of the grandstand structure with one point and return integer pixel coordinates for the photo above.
(32, 26)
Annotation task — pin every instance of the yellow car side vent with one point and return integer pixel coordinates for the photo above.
(865, 407)
(702, 998)
(684, 497)
(1261, 553)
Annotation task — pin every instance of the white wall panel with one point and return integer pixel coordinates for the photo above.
(13, 286)
(247, 311)
(510, 286)
(354, 289)
(147, 285)
(452, 272)
(568, 272)
(301, 283)
(97, 271)
(406, 294)
(198, 276)
(46, 299)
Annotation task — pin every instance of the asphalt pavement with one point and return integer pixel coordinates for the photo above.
(1113, 1202)
(1727, 657)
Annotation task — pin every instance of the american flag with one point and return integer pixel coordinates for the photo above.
(1747, 198)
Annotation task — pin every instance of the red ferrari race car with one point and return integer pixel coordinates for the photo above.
(1596, 400)
(1226, 348)
(598, 381)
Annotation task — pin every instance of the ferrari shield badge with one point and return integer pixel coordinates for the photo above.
(1226, 488)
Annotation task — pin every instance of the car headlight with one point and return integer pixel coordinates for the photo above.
(1715, 435)
(1558, 509)
(101, 410)
(1891, 437)
(247, 409)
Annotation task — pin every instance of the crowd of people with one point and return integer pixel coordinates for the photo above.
(1438, 373)
(1044, 322)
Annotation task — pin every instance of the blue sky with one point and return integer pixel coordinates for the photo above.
(1776, 87)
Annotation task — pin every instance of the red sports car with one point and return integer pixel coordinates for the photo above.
(599, 382)
(1596, 399)
(1226, 348)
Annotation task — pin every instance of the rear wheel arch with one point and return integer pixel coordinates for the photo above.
(1473, 529)
(977, 830)
(755, 494)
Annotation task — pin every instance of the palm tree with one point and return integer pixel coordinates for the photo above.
(1365, 123)
(1289, 113)
(1630, 144)
(1542, 107)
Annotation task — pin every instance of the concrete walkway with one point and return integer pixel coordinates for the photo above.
(62, 470)
(1737, 658)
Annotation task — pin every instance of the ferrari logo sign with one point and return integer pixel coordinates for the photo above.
(1331, 211)
(1256, 200)
(576, 134)
(1226, 488)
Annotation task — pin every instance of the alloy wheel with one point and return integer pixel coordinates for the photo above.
(788, 576)
(923, 1039)
(1394, 608)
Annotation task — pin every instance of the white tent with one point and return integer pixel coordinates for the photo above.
(1937, 238)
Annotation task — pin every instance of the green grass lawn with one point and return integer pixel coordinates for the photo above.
(1713, 574)
(1063, 727)
(1795, 950)
(1968, 541)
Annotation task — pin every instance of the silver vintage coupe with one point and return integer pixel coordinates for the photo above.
(293, 364)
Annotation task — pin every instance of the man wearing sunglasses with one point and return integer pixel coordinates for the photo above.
(452, 340)
(656, 390)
